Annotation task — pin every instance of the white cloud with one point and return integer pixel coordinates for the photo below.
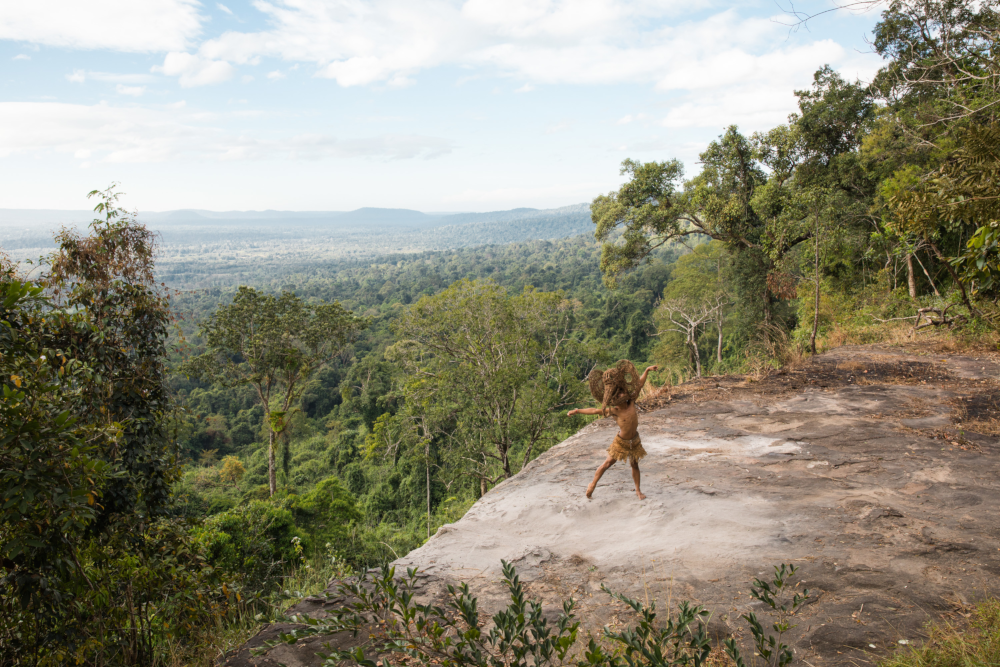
(762, 99)
(134, 91)
(275, 75)
(105, 133)
(665, 44)
(195, 70)
(21, 56)
(672, 45)
(111, 77)
(146, 26)
(82, 76)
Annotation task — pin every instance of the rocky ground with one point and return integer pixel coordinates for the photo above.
(874, 470)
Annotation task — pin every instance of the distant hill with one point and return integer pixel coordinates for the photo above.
(383, 217)
(303, 236)
(388, 217)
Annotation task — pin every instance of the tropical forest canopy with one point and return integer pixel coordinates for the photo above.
(339, 408)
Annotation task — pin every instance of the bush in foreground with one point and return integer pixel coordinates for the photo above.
(520, 636)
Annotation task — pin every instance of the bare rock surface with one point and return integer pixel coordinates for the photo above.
(872, 470)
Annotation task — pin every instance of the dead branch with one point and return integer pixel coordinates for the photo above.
(943, 319)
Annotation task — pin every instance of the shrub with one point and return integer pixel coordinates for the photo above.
(327, 513)
(253, 542)
(232, 470)
(520, 635)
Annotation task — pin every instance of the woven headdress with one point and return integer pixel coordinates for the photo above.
(616, 386)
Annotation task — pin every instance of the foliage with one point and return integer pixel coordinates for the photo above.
(232, 470)
(943, 67)
(863, 182)
(382, 608)
(327, 514)
(252, 542)
(95, 570)
(681, 641)
(50, 468)
(773, 594)
(645, 209)
(503, 365)
(961, 193)
(274, 345)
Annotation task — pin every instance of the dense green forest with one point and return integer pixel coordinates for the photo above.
(352, 401)
(229, 443)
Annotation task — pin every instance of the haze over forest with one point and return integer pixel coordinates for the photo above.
(207, 248)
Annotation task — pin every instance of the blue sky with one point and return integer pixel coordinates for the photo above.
(443, 105)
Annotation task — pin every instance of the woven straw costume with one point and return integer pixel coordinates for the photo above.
(615, 387)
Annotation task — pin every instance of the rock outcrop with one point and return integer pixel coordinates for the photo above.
(867, 468)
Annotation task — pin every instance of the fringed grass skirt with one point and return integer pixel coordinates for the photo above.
(626, 450)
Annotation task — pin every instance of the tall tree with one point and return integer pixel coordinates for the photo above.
(687, 316)
(696, 298)
(504, 364)
(273, 344)
(942, 86)
(650, 211)
(87, 543)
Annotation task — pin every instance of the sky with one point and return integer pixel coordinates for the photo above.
(434, 105)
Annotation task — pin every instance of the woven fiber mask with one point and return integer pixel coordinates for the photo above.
(616, 386)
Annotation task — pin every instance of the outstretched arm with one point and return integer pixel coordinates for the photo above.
(645, 373)
(585, 411)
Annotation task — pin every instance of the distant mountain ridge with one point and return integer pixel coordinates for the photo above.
(306, 236)
(386, 217)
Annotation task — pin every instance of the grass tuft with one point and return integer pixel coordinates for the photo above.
(972, 643)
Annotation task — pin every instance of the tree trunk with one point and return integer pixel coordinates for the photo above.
(427, 461)
(272, 474)
(911, 278)
(697, 356)
(929, 279)
(812, 339)
(482, 487)
(718, 352)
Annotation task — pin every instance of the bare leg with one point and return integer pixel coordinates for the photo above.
(610, 461)
(635, 478)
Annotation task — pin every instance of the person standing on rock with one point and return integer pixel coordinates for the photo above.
(617, 389)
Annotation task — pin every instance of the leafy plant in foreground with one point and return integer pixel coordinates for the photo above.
(768, 646)
(383, 609)
(681, 641)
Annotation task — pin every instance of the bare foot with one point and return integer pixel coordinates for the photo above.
(642, 496)
(590, 489)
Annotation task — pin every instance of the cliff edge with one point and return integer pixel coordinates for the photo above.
(874, 470)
